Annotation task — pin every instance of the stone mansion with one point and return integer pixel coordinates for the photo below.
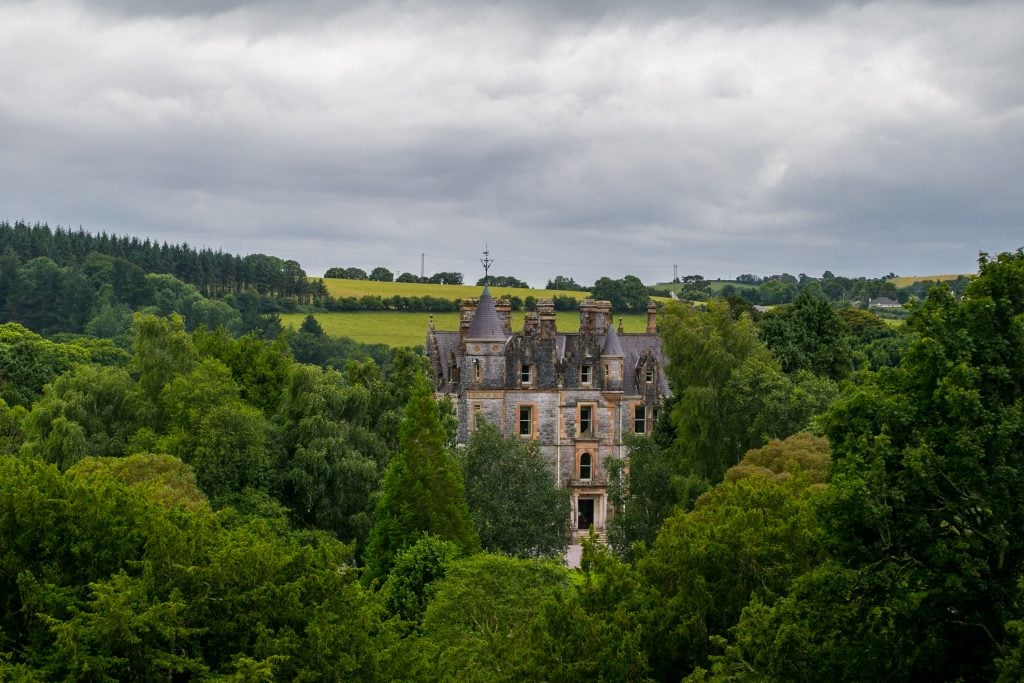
(573, 393)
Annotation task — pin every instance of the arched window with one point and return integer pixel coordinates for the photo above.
(585, 466)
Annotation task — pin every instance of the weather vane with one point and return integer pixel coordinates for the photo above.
(487, 262)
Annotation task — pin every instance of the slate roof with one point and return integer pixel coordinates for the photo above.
(633, 346)
(611, 346)
(486, 324)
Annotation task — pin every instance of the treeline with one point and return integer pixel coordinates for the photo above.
(783, 288)
(213, 273)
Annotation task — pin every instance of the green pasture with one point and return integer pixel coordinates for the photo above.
(907, 281)
(410, 329)
(357, 288)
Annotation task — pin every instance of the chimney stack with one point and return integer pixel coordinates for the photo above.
(652, 318)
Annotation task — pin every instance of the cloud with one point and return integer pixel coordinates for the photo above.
(589, 140)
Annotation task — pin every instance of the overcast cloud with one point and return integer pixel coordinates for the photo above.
(588, 139)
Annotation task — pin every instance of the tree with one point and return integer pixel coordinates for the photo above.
(382, 274)
(564, 283)
(627, 294)
(923, 509)
(502, 281)
(747, 537)
(808, 335)
(408, 277)
(445, 278)
(480, 623)
(517, 507)
(422, 490)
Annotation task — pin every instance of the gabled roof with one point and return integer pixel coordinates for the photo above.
(486, 324)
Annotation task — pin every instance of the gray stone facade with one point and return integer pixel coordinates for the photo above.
(574, 394)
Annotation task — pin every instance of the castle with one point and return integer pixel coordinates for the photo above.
(573, 393)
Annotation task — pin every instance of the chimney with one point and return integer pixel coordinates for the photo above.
(602, 316)
(620, 326)
(652, 318)
(504, 309)
(546, 314)
(531, 323)
(467, 307)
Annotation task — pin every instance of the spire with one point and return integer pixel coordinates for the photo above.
(486, 323)
(612, 346)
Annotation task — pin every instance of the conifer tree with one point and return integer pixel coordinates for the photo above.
(422, 491)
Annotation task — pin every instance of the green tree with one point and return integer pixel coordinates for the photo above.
(715, 363)
(517, 507)
(382, 274)
(422, 490)
(923, 510)
(808, 335)
(746, 538)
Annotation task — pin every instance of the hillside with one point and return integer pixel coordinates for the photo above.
(410, 329)
(911, 279)
(358, 288)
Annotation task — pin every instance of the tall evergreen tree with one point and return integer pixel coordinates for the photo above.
(422, 490)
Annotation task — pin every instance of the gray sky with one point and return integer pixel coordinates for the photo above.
(586, 139)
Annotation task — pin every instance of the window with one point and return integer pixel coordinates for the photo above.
(477, 413)
(526, 374)
(476, 369)
(650, 374)
(586, 374)
(525, 420)
(607, 373)
(586, 419)
(585, 466)
(639, 419)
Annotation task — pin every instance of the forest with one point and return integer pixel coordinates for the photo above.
(189, 492)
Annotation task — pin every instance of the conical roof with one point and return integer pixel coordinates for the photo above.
(612, 345)
(486, 324)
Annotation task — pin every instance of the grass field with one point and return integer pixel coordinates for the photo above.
(713, 285)
(410, 329)
(357, 288)
(907, 281)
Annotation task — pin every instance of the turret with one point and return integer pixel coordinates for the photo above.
(485, 346)
(612, 360)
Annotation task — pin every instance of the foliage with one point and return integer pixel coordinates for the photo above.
(516, 504)
(808, 335)
(804, 455)
(28, 362)
(923, 511)
(477, 627)
(417, 568)
(562, 282)
(732, 395)
(502, 281)
(745, 538)
(422, 490)
(99, 581)
(625, 294)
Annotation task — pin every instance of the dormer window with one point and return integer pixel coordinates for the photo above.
(526, 374)
(586, 374)
(649, 375)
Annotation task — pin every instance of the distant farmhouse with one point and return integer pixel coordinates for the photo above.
(575, 394)
(884, 302)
